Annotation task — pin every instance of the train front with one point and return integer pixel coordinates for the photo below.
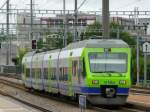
(108, 75)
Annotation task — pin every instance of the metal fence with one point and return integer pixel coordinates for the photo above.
(143, 84)
(14, 71)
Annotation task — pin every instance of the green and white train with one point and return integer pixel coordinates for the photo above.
(97, 68)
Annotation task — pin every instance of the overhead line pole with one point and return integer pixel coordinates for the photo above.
(105, 16)
(7, 31)
(65, 24)
(76, 21)
(31, 19)
(137, 46)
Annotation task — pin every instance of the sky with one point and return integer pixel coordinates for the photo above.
(89, 4)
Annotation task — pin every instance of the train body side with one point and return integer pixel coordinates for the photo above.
(68, 71)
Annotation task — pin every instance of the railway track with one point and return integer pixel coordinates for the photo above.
(19, 85)
(46, 95)
(139, 90)
(19, 100)
(126, 108)
(133, 89)
(26, 103)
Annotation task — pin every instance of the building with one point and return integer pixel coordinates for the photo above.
(145, 22)
(57, 22)
(43, 25)
(24, 30)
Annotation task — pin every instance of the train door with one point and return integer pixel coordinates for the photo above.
(36, 72)
(49, 74)
(42, 70)
(70, 83)
(80, 70)
(24, 67)
(75, 71)
(31, 71)
(57, 71)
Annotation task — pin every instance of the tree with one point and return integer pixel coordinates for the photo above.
(95, 29)
(40, 43)
(54, 40)
(18, 59)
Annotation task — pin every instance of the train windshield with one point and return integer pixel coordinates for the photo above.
(108, 62)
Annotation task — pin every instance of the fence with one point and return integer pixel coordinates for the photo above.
(14, 71)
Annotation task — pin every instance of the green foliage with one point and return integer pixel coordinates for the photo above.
(95, 25)
(70, 38)
(93, 29)
(54, 41)
(114, 25)
(18, 59)
(40, 43)
(141, 70)
(21, 54)
(3, 38)
(125, 36)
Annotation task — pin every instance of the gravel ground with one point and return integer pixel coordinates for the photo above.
(50, 104)
(139, 98)
(9, 105)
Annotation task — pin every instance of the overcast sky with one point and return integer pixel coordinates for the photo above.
(89, 4)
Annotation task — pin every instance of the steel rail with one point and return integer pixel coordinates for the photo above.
(128, 107)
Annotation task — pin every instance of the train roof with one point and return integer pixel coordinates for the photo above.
(98, 43)
(30, 53)
(40, 52)
(90, 43)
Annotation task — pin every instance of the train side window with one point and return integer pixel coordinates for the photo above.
(54, 73)
(80, 68)
(84, 69)
(65, 74)
(33, 72)
(23, 68)
(45, 73)
(40, 73)
(74, 68)
(60, 78)
(27, 72)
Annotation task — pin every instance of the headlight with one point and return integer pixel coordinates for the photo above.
(95, 81)
(122, 82)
